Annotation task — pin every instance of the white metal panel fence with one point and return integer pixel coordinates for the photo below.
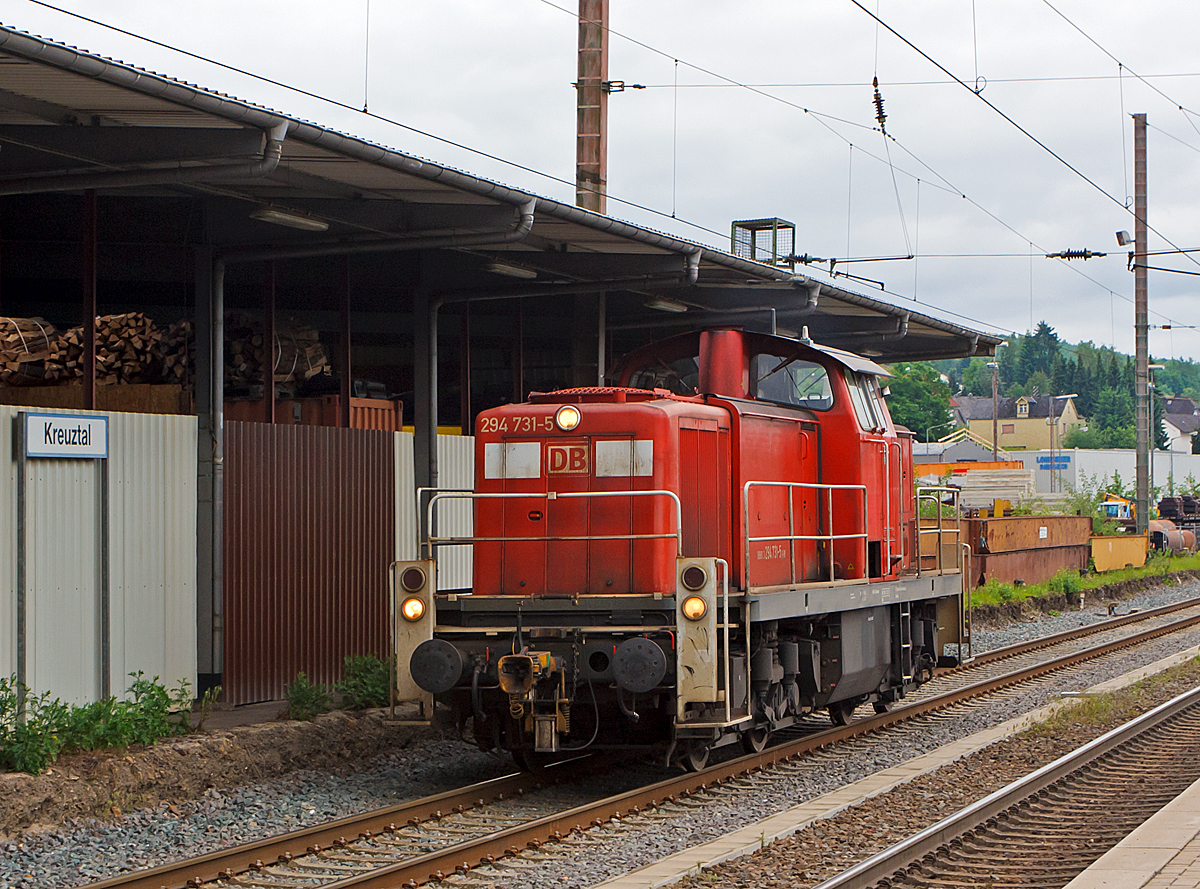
(1078, 467)
(456, 470)
(151, 527)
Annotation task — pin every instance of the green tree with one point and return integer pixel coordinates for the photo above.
(1038, 384)
(977, 378)
(919, 399)
(1038, 351)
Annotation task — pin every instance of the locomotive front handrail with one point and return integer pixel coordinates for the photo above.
(431, 541)
(792, 538)
(929, 494)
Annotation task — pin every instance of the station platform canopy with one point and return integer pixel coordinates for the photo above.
(278, 187)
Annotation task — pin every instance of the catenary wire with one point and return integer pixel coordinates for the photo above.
(1062, 160)
(823, 119)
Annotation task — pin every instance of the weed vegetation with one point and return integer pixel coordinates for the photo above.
(306, 700)
(51, 728)
(1072, 583)
(1117, 706)
(367, 683)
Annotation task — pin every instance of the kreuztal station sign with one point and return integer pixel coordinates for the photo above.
(66, 436)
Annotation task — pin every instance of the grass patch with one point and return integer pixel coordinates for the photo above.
(1119, 706)
(1071, 583)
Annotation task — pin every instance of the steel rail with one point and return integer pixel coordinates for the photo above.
(998, 654)
(223, 863)
(889, 861)
(434, 865)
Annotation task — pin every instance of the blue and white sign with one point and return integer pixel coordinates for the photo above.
(66, 436)
(1061, 461)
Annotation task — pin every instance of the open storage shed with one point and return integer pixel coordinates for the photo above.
(379, 289)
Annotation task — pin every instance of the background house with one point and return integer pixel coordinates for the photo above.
(1022, 421)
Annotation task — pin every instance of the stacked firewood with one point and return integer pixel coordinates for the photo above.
(130, 348)
(179, 355)
(28, 352)
(297, 353)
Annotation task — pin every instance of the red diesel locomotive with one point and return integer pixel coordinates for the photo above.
(726, 541)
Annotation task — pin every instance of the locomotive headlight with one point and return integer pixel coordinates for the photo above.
(412, 579)
(567, 417)
(694, 577)
(413, 609)
(694, 608)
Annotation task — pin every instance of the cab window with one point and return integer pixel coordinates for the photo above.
(865, 398)
(790, 381)
(679, 377)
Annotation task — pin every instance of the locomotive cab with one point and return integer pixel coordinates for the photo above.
(724, 541)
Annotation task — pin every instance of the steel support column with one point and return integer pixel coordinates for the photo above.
(89, 300)
(207, 666)
(1140, 320)
(347, 372)
(425, 409)
(591, 138)
(269, 343)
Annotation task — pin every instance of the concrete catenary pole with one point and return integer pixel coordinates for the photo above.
(591, 139)
(1141, 357)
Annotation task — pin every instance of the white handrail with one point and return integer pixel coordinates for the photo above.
(432, 541)
(792, 538)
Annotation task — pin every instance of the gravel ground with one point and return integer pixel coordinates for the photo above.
(86, 850)
(829, 847)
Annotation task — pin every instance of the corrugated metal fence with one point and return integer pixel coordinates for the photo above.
(310, 529)
(152, 558)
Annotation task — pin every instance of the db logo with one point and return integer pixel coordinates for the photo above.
(567, 459)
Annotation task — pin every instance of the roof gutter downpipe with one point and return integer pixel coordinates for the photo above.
(521, 227)
(178, 175)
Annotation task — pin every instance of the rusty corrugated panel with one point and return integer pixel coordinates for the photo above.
(1002, 535)
(309, 535)
(1029, 565)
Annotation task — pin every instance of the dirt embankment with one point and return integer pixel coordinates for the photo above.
(105, 784)
(998, 615)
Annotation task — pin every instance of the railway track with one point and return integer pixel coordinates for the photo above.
(1046, 828)
(495, 821)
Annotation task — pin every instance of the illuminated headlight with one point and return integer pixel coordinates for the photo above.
(694, 608)
(694, 577)
(412, 579)
(567, 417)
(413, 609)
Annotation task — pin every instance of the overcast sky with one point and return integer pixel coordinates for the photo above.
(965, 189)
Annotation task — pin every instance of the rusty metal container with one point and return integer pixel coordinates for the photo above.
(1029, 565)
(1028, 548)
(1015, 533)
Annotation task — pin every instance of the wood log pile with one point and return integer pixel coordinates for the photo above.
(297, 353)
(131, 348)
(26, 346)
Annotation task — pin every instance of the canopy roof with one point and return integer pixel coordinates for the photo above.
(70, 121)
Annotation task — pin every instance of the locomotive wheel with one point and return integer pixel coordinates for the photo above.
(695, 756)
(841, 712)
(755, 740)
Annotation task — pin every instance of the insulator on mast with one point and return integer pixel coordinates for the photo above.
(879, 115)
